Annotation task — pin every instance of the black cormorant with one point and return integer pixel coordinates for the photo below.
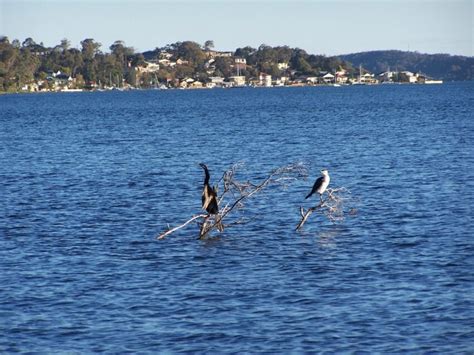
(321, 184)
(209, 195)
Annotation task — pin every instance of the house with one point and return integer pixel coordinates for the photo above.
(328, 78)
(412, 78)
(60, 81)
(148, 68)
(386, 77)
(31, 87)
(238, 60)
(196, 85)
(237, 80)
(209, 64)
(282, 66)
(367, 78)
(240, 63)
(165, 55)
(300, 81)
(265, 79)
(215, 54)
(311, 80)
(341, 76)
(182, 62)
(424, 79)
(217, 80)
(165, 62)
(282, 81)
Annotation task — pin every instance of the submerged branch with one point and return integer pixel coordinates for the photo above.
(234, 195)
(332, 207)
(171, 230)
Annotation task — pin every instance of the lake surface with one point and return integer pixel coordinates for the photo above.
(87, 181)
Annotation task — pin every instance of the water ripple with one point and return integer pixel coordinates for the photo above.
(88, 180)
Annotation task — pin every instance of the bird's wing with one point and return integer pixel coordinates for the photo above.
(316, 186)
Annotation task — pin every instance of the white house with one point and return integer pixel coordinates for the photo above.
(265, 79)
(238, 60)
(237, 80)
(412, 78)
(149, 68)
(217, 80)
(328, 78)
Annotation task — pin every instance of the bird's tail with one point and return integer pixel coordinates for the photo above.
(309, 195)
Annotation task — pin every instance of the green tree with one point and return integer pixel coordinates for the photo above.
(223, 66)
(192, 52)
(208, 45)
(245, 52)
(65, 44)
(90, 49)
(29, 42)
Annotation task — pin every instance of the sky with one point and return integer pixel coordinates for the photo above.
(318, 26)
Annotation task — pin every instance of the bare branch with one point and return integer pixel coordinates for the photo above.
(171, 230)
(332, 207)
(235, 193)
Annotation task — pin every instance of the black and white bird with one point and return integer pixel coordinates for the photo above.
(321, 184)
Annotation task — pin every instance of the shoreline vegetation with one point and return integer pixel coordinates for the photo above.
(32, 67)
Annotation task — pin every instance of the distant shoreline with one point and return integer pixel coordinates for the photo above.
(437, 82)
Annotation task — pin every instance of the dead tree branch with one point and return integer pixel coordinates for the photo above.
(171, 230)
(334, 206)
(234, 195)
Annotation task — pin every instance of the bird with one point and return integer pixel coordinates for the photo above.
(209, 195)
(320, 184)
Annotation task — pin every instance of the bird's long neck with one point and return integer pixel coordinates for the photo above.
(207, 177)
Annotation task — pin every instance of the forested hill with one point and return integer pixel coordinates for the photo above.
(439, 66)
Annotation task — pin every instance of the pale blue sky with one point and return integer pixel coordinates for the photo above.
(319, 27)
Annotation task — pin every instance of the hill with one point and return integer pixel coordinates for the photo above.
(439, 66)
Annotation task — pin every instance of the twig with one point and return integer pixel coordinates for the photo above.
(332, 207)
(169, 231)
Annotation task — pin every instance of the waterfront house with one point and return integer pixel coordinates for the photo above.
(283, 80)
(196, 85)
(311, 80)
(412, 78)
(341, 76)
(367, 78)
(328, 78)
(386, 77)
(237, 80)
(265, 79)
(217, 80)
(59, 81)
(31, 87)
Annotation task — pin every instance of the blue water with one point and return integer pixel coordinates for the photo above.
(87, 181)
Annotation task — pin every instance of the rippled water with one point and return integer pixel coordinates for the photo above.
(88, 180)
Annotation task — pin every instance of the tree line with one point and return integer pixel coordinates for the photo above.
(91, 66)
(441, 66)
(25, 62)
